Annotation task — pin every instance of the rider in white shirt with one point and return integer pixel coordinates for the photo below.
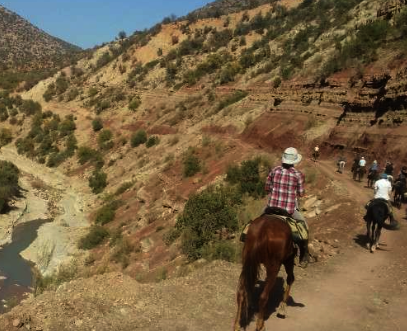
(382, 189)
(362, 162)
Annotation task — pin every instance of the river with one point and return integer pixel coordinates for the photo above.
(17, 272)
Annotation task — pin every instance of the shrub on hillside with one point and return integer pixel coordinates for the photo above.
(95, 237)
(86, 154)
(107, 213)
(138, 138)
(98, 181)
(105, 139)
(9, 188)
(5, 137)
(152, 141)
(97, 124)
(247, 177)
(204, 214)
(134, 104)
(30, 107)
(192, 165)
(235, 97)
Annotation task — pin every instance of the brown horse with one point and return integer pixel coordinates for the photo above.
(268, 242)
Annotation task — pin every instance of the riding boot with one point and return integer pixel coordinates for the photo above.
(304, 254)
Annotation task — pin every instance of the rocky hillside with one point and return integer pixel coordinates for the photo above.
(24, 46)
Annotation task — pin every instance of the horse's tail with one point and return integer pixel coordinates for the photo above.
(249, 275)
(380, 215)
(392, 226)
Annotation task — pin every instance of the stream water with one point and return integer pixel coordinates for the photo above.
(15, 272)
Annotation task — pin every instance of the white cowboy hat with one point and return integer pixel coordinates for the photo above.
(291, 156)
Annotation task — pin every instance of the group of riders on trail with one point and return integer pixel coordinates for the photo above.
(285, 184)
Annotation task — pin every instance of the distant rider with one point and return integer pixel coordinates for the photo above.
(341, 163)
(316, 152)
(388, 170)
(284, 185)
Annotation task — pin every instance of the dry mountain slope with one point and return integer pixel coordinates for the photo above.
(22, 45)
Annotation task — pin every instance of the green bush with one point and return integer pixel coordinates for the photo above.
(138, 138)
(235, 97)
(9, 187)
(97, 124)
(204, 214)
(105, 139)
(247, 177)
(98, 181)
(95, 237)
(192, 165)
(86, 154)
(30, 107)
(152, 141)
(134, 104)
(5, 137)
(123, 188)
(222, 250)
(107, 213)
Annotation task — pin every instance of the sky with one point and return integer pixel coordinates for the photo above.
(87, 23)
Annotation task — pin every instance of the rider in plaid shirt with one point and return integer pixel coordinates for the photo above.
(284, 184)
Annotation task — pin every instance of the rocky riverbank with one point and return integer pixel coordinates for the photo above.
(47, 195)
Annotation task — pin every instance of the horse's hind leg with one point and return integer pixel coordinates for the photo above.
(376, 238)
(240, 298)
(289, 268)
(272, 272)
(368, 239)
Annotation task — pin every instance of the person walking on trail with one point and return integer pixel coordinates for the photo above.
(382, 190)
(341, 163)
(284, 185)
(315, 154)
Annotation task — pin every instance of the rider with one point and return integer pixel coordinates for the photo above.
(374, 166)
(403, 176)
(389, 168)
(362, 162)
(382, 189)
(355, 164)
(284, 184)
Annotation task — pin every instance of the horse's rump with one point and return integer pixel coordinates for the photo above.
(378, 211)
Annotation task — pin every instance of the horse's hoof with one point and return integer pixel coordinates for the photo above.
(373, 249)
(368, 245)
(280, 315)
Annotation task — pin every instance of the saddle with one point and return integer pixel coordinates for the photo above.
(298, 228)
(375, 202)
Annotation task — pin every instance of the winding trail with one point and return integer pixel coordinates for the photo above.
(357, 290)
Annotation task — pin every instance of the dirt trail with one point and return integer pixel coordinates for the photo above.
(357, 290)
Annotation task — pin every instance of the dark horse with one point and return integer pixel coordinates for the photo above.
(372, 178)
(377, 214)
(399, 190)
(268, 242)
(358, 172)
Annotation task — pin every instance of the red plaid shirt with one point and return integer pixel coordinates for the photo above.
(283, 185)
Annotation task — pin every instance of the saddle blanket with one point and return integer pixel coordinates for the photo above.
(298, 228)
